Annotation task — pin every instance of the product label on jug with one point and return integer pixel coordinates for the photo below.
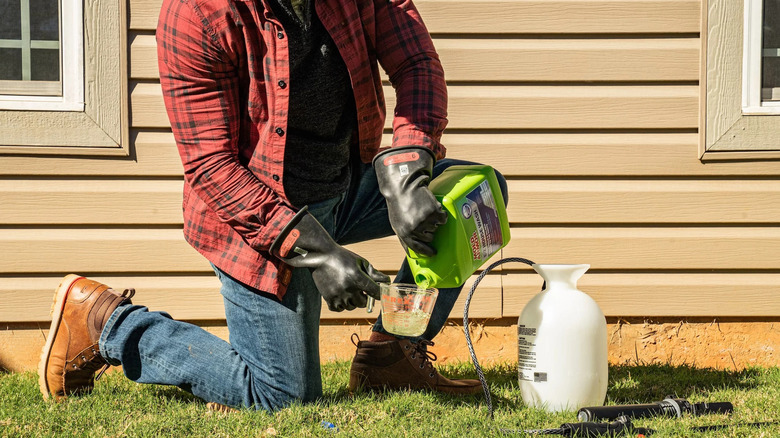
(479, 205)
(526, 357)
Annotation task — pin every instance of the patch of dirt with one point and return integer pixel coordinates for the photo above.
(703, 343)
(699, 343)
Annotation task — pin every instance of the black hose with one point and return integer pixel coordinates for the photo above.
(481, 375)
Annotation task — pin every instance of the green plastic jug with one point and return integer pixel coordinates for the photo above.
(476, 228)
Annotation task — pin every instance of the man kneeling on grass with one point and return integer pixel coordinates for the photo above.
(277, 111)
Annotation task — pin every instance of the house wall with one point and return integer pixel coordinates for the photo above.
(590, 108)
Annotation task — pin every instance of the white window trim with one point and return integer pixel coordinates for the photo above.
(72, 60)
(752, 60)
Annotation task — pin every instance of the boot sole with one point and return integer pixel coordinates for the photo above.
(58, 304)
(358, 383)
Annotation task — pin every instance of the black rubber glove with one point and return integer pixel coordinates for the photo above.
(403, 175)
(344, 279)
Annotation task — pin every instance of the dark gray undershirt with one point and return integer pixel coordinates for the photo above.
(322, 117)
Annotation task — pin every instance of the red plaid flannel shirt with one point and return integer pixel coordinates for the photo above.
(224, 67)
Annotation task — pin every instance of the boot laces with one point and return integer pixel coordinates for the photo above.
(421, 349)
(128, 293)
(97, 364)
(102, 370)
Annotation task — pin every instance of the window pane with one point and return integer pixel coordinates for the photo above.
(11, 67)
(45, 65)
(770, 69)
(10, 20)
(44, 20)
(771, 36)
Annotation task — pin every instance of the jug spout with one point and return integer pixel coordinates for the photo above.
(565, 274)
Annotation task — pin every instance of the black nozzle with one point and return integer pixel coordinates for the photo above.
(597, 413)
(669, 407)
(712, 408)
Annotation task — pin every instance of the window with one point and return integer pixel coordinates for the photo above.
(761, 71)
(63, 86)
(740, 78)
(41, 47)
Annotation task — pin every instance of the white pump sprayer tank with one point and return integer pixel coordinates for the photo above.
(562, 344)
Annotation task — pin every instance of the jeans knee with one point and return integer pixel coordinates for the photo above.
(273, 398)
(279, 400)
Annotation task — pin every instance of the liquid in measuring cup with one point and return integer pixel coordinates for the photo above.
(411, 323)
(406, 308)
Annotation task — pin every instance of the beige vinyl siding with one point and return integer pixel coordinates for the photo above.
(630, 59)
(519, 107)
(590, 108)
(189, 297)
(533, 201)
(517, 17)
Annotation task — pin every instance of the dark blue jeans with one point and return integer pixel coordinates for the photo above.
(272, 358)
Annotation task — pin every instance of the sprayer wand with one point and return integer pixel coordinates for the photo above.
(668, 407)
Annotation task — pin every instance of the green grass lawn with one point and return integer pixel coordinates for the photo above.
(121, 408)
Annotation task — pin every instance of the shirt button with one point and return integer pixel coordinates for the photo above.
(279, 132)
(276, 177)
(280, 35)
(282, 84)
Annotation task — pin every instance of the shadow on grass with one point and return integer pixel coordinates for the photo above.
(628, 384)
(176, 394)
(646, 383)
(498, 376)
(649, 382)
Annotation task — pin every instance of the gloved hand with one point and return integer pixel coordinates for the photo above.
(403, 175)
(344, 279)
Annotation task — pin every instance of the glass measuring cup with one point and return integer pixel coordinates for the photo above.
(406, 308)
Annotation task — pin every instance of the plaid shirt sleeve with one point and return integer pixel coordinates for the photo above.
(200, 82)
(406, 52)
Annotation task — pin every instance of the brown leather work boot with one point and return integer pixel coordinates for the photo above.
(71, 356)
(401, 364)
